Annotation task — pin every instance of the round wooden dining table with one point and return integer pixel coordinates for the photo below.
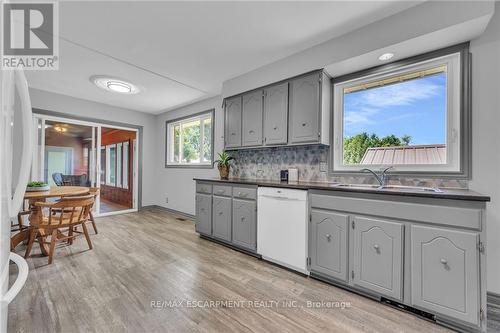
(38, 196)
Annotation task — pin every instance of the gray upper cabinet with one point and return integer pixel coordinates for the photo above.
(233, 122)
(378, 256)
(276, 114)
(328, 243)
(304, 108)
(221, 219)
(245, 224)
(204, 213)
(252, 119)
(292, 112)
(445, 272)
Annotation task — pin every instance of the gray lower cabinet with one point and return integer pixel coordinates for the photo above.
(425, 253)
(221, 218)
(328, 243)
(245, 224)
(204, 214)
(228, 213)
(252, 119)
(445, 272)
(276, 114)
(304, 109)
(233, 122)
(378, 256)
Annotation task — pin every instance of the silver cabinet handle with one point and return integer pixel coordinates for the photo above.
(328, 236)
(251, 132)
(233, 133)
(444, 261)
(275, 127)
(242, 219)
(304, 124)
(376, 247)
(220, 213)
(220, 191)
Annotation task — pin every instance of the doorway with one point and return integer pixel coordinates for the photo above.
(80, 153)
(117, 149)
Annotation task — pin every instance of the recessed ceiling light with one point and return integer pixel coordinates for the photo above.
(386, 56)
(114, 84)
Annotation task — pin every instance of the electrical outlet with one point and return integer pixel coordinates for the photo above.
(166, 199)
(259, 166)
(322, 166)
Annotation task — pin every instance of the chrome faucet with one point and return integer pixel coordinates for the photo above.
(382, 178)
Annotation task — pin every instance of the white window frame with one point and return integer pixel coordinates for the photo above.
(170, 125)
(453, 115)
(108, 164)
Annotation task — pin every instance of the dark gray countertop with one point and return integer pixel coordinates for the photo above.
(454, 194)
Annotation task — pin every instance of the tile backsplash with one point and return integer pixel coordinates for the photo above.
(311, 162)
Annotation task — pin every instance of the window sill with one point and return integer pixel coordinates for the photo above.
(189, 166)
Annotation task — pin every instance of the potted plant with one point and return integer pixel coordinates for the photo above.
(223, 164)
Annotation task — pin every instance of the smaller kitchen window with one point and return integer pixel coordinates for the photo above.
(408, 116)
(190, 141)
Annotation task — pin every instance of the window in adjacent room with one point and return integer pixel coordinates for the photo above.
(190, 141)
(408, 117)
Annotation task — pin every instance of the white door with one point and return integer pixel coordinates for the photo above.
(15, 118)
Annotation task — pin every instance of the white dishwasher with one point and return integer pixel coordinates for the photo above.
(282, 227)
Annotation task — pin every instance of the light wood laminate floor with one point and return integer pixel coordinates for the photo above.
(151, 256)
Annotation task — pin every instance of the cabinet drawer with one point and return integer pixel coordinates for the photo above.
(445, 272)
(222, 190)
(245, 193)
(378, 256)
(204, 188)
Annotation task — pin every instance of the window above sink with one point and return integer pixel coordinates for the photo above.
(412, 114)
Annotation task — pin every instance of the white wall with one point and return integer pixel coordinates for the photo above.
(82, 108)
(486, 136)
(177, 183)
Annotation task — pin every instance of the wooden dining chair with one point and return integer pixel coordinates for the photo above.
(73, 212)
(20, 218)
(95, 192)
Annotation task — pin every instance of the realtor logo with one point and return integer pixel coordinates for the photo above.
(28, 37)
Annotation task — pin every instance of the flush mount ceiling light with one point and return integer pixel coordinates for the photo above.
(386, 56)
(114, 84)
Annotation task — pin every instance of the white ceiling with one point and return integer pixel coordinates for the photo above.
(180, 52)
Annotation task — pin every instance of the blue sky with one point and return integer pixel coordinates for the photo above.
(416, 108)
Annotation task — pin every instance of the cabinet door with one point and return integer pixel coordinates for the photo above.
(252, 119)
(204, 214)
(378, 256)
(233, 122)
(445, 272)
(328, 243)
(245, 224)
(276, 114)
(304, 109)
(222, 218)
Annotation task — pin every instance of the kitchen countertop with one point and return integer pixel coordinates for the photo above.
(454, 194)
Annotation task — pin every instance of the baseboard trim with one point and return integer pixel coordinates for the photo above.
(493, 306)
(169, 210)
